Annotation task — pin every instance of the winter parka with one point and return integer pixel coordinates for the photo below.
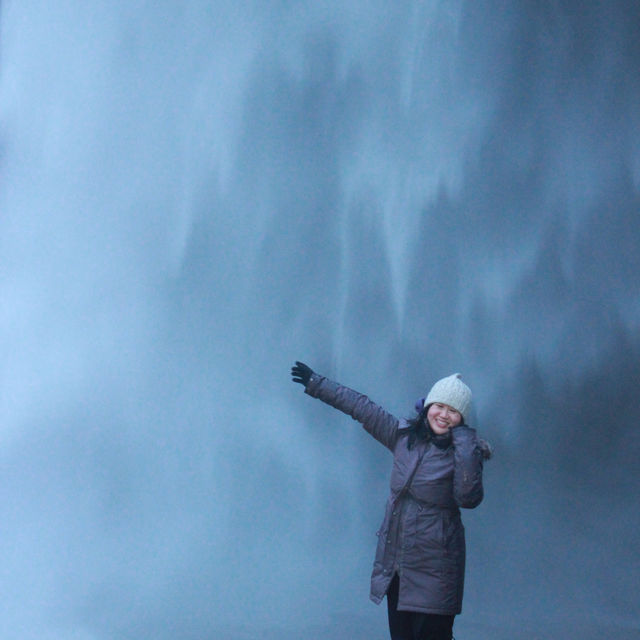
(422, 536)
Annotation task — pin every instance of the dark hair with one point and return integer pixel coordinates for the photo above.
(418, 428)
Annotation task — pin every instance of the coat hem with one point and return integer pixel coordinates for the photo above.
(417, 608)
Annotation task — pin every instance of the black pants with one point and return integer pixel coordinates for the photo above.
(413, 625)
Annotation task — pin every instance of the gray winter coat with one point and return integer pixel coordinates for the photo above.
(421, 537)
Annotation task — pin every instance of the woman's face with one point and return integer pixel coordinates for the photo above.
(442, 417)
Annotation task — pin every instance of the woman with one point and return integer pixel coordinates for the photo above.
(437, 468)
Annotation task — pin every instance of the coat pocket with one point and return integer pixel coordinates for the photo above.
(428, 529)
(452, 532)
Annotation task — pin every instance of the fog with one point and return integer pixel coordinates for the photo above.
(194, 195)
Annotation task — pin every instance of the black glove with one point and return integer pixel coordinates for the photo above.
(301, 373)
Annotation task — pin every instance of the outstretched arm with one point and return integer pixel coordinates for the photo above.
(379, 423)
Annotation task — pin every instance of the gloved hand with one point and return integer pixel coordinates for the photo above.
(301, 373)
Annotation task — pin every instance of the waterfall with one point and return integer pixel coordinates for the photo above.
(192, 197)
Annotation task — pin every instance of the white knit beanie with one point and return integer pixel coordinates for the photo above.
(452, 391)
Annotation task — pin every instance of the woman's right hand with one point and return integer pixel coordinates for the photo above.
(301, 373)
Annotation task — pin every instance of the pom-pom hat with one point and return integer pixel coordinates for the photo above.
(452, 391)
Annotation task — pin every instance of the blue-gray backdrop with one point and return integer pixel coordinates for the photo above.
(195, 194)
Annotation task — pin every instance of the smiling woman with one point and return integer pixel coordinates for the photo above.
(437, 468)
(442, 417)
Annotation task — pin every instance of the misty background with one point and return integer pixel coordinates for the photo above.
(193, 195)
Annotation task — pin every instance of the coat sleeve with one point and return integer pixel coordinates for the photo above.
(378, 422)
(467, 471)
